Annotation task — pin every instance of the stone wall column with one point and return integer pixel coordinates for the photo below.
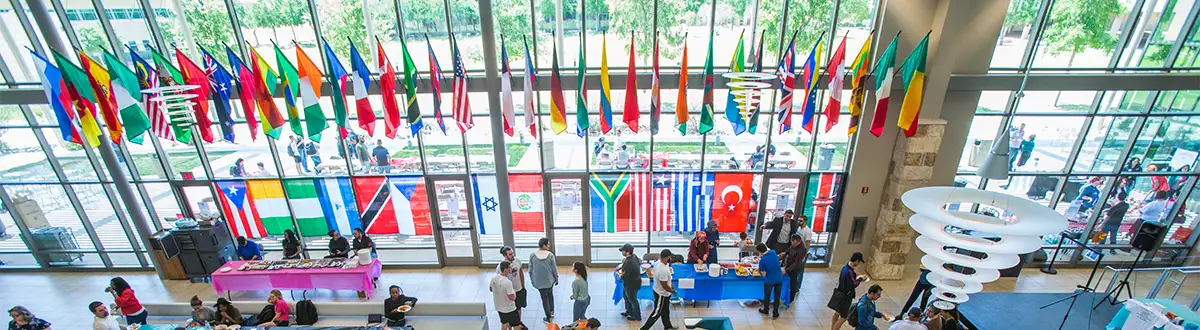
(911, 167)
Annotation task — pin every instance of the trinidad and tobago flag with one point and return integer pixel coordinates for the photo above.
(393, 205)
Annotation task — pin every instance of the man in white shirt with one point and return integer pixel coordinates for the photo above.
(517, 277)
(102, 319)
(910, 321)
(505, 298)
(623, 158)
(662, 291)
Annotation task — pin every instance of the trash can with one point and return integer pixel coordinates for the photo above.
(824, 156)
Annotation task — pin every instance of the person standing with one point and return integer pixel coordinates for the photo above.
(772, 280)
(1152, 211)
(843, 294)
(933, 318)
(782, 229)
(362, 241)
(806, 236)
(291, 245)
(1026, 150)
(923, 288)
(295, 149)
(380, 153)
(126, 301)
(23, 319)
(911, 321)
(504, 297)
(866, 309)
(516, 277)
(543, 273)
(579, 292)
(248, 250)
(631, 281)
(282, 311)
(713, 235)
(314, 153)
(338, 247)
(101, 318)
(1088, 194)
(662, 292)
(1015, 136)
(360, 151)
(698, 249)
(1113, 218)
(793, 263)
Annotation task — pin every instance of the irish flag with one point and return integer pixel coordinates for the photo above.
(525, 194)
(321, 204)
(310, 94)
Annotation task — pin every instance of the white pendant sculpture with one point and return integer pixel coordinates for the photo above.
(1020, 231)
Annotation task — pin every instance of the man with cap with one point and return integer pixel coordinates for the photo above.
(911, 321)
(663, 290)
(631, 279)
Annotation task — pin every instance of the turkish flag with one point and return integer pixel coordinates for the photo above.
(731, 201)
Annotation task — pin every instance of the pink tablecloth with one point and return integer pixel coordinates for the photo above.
(357, 279)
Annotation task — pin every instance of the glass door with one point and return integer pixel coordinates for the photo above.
(566, 196)
(454, 221)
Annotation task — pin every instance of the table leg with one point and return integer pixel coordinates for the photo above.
(362, 294)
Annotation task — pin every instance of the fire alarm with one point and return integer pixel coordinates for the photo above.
(865, 189)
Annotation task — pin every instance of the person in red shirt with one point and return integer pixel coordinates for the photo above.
(126, 302)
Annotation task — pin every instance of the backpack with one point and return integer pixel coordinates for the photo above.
(311, 148)
(852, 319)
(306, 312)
(291, 150)
(266, 314)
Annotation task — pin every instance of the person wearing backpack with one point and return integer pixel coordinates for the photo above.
(310, 148)
(863, 316)
(294, 149)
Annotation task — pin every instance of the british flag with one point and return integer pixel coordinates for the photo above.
(462, 105)
(787, 80)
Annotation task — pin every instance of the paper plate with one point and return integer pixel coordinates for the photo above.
(226, 269)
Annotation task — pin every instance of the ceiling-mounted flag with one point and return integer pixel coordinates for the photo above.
(530, 76)
(194, 75)
(558, 115)
(127, 94)
(148, 79)
(81, 96)
(630, 113)
(858, 84)
(787, 85)
(387, 89)
(912, 73)
(582, 122)
(706, 102)
(810, 78)
(606, 122)
(222, 86)
(291, 89)
(55, 88)
(266, 80)
(462, 104)
(337, 79)
(506, 100)
(166, 70)
(362, 82)
(435, 82)
(655, 92)
(733, 113)
(884, 72)
(247, 90)
(101, 84)
(681, 107)
(310, 94)
(835, 69)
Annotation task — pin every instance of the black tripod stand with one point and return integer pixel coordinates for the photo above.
(1082, 288)
(1114, 295)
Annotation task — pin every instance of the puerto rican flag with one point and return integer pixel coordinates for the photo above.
(239, 211)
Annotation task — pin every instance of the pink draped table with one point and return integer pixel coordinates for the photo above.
(359, 278)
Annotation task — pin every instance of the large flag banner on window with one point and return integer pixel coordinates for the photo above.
(267, 196)
(321, 204)
(525, 194)
(393, 205)
(731, 203)
(822, 201)
(623, 203)
(242, 214)
(684, 199)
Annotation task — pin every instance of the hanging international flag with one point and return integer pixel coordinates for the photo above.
(321, 204)
(194, 75)
(691, 199)
(706, 102)
(733, 112)
(462, 104)
(912, 73)
(787, 85)
(823, 191)
(810, 78)
(582, 122)
(530, 76)
(54, 86)
(267, 196)
(884, 72)
(165, 69)
(310, 76)
(127, 94)
(247, 91)
(631, 112)
(222, 86)
(858, 84)
(148, 79)
(681, 107)
(506, 100)
(558, 115)
(393, 205)
(620, 202)
(239, 210)
(525, 194)
(291, 89)
(337, 80)
(731, 203)
(606, 122)
(435, 82)
(387, 89)
(655, 92)
(362, 82)
(101, 84)
(758, 67)
(81, 96)
(266, 80)
(835, 69)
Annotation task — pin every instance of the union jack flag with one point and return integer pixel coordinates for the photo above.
(787, 81)
(462, 105)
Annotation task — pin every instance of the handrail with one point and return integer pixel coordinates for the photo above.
(1166, 275)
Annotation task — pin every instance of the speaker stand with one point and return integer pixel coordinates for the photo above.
(1113, 296)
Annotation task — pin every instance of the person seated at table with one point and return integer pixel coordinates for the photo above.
(248, 250)
(291, 245)
(391, 306)
(201, 315)
(362, 241)
(338, 247)
(698, 249)
(227, 314)
(282, 311)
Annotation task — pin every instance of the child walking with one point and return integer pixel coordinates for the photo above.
(579, 292)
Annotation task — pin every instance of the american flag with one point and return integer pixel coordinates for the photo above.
(787, 79)
(660, 217)
(148, 78)
(462, 105)
(691, 198)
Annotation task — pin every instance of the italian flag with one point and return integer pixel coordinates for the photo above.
(310, 94)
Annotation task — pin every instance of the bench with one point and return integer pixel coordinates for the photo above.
(426, 315)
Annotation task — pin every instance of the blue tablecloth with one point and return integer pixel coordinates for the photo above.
(709, 323)
(725, 287)
(1178, 309)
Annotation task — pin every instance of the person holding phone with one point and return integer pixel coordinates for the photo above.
(843, 294)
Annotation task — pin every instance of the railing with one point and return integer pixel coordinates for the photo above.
(1166, 274)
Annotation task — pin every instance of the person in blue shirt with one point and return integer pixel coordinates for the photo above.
(248, 250)
(768, 264)
(1088, 195)
(866, 309)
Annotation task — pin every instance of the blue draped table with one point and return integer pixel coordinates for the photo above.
(728, 286)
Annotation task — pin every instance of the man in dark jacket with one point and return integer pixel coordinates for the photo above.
(1113, 218)
(338, 246)
(793, 265)
(782, 229)
(631, 280)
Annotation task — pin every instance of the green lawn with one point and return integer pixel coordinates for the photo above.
(670, 147)
(515, 151)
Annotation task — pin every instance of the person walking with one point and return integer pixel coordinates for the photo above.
(295, 149)
(314, 153)
(631, 281)
(543, 274)
(782, 228)
(923, 288)
(1113, 218)
(662, 292)
(516, 277)
(381, 155)
(1015, 136)
(772, 280)
(793, 264)
(504, 297)
(1026, 150)
(866, 309)
(843, 294)
(579, 292)
(127, 303)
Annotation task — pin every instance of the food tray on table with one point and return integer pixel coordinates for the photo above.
(259, 265)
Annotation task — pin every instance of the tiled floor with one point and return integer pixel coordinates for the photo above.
(61, 297)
